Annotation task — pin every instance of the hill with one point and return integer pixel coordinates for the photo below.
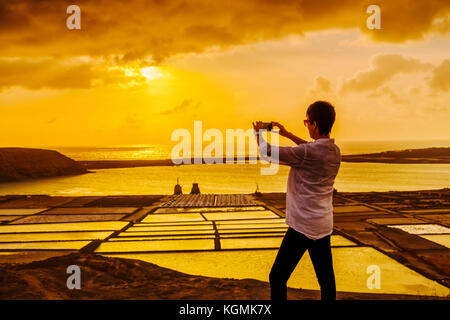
(426, 155)
(25, 163)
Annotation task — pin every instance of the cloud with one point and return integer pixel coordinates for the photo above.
(148, 32)
(386, 91)
(409, 20)
(383, 68)
(139, 29)
(52, 120)
(441, 76)
(442, 25)
(35, 74)
(182, 107)
(321, 85)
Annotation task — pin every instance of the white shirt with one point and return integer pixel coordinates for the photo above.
(309, 197)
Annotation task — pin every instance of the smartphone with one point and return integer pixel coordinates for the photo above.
(267, 126)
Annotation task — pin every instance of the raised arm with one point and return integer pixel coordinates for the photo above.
(291, 156)
(283, 132)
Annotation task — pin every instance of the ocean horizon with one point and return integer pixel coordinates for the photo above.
(230, 178)
(163, 151)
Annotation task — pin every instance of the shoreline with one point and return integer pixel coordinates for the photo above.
(112, 164)
(7, 197)
(411, 156)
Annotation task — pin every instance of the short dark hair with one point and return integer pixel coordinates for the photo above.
(322, 112)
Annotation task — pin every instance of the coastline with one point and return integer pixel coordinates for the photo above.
(415, 156)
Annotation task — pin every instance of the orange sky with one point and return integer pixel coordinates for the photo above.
(139, 69)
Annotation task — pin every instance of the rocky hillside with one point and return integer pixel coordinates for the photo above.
(24, 163)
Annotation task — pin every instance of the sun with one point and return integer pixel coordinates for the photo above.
(151, 73)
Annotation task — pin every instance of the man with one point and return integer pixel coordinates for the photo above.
(309, 199)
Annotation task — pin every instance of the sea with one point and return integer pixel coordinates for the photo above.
(231, 178)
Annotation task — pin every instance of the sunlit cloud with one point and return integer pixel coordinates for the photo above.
(384, 68)
(321, 86)
(441, 76)
(72, 73)
(142, 68)
(151, 73)
(137, 29)
(184, 106)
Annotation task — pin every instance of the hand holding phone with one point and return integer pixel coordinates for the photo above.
(268, 126)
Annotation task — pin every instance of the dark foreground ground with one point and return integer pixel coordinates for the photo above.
(117, 278)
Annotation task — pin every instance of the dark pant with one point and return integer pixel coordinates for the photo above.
(292, 249)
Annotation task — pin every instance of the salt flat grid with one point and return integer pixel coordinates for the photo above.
(240, 215)
(171, 223)
(37, 229)
(232, 229)
(209, 200)
(150, 235)
(180, 222)
(20, 212)
(54, 236)
(195, 244)
(173, 217)
(163, 237)
(45, 245)
(356, 208)
(175, 227)
(257, 225)
(47, 218)
(223, 230)
(395, 221)
(441, 239)
(250, 227)
(420, 229)
(433, 232)
(92, 210)
(4, 219)
(416, 215)
(65, 226)
(208, 209)
(166, 232)
(61, 228)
